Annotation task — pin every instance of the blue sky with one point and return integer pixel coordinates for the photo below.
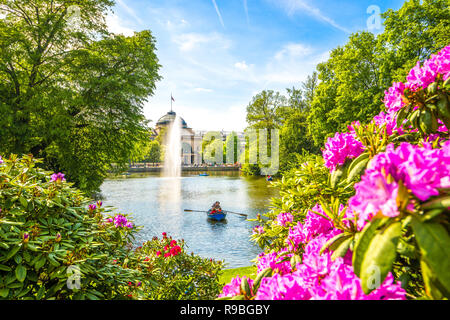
(217, 54)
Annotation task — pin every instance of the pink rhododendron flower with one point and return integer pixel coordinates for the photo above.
(284, 218)
(422, 170)
(315, 224)
(390, 122)
(258, 230)
(279, 287)
(393, 97)
(295, 237)
(341, 147)
(275, 261)
(423, 76)
(57, 177)
(120, 221)
(233, 288)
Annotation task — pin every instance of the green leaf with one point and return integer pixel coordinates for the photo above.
(267, 272)
(40, 263)
(380, 256)
(335, 175)
(23, 202)
(439, 203)
(357, 166)
(4, 292)
(430, 281)
(433, 241)
(5, 268)
(12, 253)
(342, 249)
(21, 272)
(338, 239)
(362, 244)
(406, 249)
(40, 294)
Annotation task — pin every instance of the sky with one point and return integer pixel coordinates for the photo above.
(217, 54)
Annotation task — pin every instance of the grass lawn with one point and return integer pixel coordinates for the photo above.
(228, 274)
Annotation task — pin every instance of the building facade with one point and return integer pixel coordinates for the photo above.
(191, 141)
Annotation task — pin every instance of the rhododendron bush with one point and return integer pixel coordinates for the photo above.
(57, 244)
(371, 219)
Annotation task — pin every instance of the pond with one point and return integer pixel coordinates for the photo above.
(157, 204)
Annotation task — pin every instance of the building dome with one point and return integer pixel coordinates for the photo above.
(168, 118)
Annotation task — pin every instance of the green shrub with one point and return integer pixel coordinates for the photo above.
(57, 244)
(179, 275)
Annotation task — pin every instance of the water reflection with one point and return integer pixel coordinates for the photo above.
(158, 203)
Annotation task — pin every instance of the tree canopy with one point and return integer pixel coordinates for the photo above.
(70, 91)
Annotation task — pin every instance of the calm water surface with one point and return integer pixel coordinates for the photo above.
(158, 203)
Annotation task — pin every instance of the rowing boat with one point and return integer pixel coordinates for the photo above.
(218, 216)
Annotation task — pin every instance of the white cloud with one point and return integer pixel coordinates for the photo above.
(294, 6)
(246, 12)
(293, 50)
(116, 25)
(190, 41)
(291, 65)
(241, 65)
(218, 13)
(202, 90)
(130, 11)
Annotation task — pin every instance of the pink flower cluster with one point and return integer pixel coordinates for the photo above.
(258, 230)
(317, 276)
(423, 170)
(1, 160)
(339, 148)
(57, 177)
(234, 287)
(284, 218)
(422, 76)
(278, 261)
(170, 250)
(389, 120)
(393, 97)
(120, 221)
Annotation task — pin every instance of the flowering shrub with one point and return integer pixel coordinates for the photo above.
(341, 147)
(384, 231)
(56, 244)
(47, 231)
(178, 275)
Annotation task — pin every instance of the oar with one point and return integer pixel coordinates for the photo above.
(241, 214)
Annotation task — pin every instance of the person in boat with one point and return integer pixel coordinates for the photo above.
(215, 208)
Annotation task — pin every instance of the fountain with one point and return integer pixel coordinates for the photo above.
(170, 188)
(172, 158)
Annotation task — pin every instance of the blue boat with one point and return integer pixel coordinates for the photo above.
(218, 216)
(203, 174)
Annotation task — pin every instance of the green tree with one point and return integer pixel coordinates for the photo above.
(353, 80)
(73, 94)
(414, 32)
(265, 110)
(350, 87)
(154, 154)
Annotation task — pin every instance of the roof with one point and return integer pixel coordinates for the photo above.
(168, 118)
